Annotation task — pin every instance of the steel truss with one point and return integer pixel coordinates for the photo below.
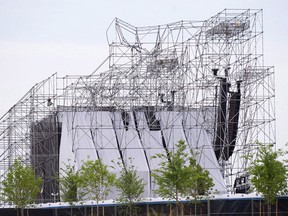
(214, 66)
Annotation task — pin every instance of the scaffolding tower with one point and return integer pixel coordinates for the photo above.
(213, 67)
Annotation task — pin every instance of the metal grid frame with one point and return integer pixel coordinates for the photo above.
(178, 66)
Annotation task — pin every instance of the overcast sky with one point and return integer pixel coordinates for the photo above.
(41, 37)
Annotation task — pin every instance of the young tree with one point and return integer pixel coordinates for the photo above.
(130, 187)
(95, 180)
(179, 174)
(68, 184)
(269, 175)
(200, 181)
(21, 186)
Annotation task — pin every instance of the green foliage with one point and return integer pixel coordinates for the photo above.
(95, 179)
(130, 187)
(68, 183)
(268, 174)
(200, 181)
(179, 174)
(21, 186)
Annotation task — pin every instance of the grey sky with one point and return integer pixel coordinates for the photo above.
(41, 37)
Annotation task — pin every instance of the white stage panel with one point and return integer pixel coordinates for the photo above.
(66, 154)
(104, 138)
(151, 140)
(171, 126)
(131, 146)
(199, 141)
(152, 143)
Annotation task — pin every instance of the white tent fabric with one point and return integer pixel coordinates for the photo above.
(171, 125)
(131, 147)
(104, 137)
(121, 136)
(151, 141)
(199, 142)
(152, 145)
(66, 152)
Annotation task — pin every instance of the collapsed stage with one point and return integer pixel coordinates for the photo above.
(203, 82)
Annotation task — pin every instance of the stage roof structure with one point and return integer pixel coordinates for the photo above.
(201, 81)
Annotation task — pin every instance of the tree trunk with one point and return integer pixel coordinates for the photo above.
(147, 210)
(260, 208)
(277, 207)
(269, 209)
(22, 212)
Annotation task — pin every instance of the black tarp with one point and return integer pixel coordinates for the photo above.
(214, 207)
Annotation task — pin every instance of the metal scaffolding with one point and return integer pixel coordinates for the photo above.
(215, 67)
